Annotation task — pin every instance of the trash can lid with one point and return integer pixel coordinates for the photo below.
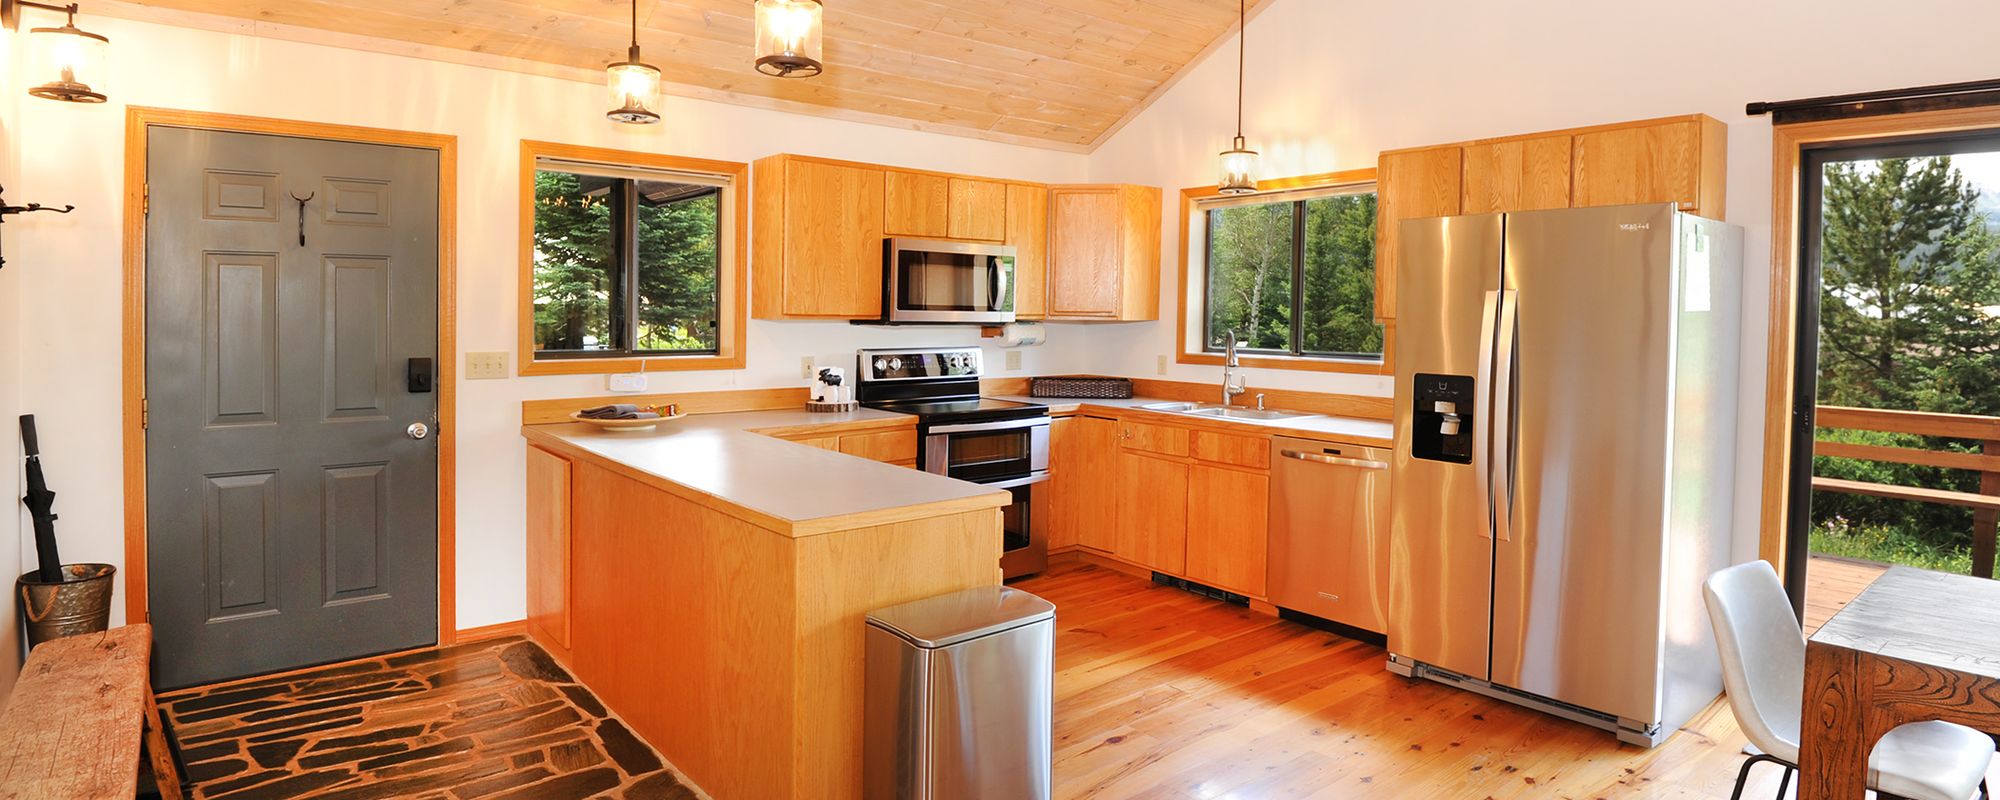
(948, 619)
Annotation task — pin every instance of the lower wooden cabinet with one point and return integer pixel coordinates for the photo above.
(1152, 511)
(1085, 482)
(549, 546)
(897, 447)
(1228, 526)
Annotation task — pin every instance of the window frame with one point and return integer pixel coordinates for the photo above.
(1192, 335)
(733, 210)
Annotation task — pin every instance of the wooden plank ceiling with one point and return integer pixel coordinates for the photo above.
(1057, 73)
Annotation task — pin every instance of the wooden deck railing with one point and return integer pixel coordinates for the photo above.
(1985, 430)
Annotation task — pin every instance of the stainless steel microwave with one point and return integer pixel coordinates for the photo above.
(928, 280)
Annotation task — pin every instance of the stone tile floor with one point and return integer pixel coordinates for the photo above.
(493, 719)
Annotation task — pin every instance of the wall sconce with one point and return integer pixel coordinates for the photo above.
(788, 37)
(72, 58)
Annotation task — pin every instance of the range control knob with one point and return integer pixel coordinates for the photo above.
(895, 364)
(881, 365)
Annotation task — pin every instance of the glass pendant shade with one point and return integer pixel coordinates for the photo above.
(70, 62)
(633, 88)
(1239, 169)
(788, 38)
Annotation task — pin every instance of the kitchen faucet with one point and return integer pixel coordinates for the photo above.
(1232, 383)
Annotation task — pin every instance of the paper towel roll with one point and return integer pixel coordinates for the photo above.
(1022, 334)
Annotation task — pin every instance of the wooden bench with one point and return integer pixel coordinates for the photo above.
(76, 717)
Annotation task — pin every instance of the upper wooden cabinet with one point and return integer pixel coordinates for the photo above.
(1104, 252)
(1410, 184)
(1028, 234)
(915, 204)
(1516, 175)
(976, 209)
(817, 244)
(1681, 161)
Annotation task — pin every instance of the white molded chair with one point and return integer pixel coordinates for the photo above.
(1764, 669)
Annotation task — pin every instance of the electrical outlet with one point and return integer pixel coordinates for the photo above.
(486, 366)
(1013, 360)
(807, 369)
(1160, 366)
(626, 382)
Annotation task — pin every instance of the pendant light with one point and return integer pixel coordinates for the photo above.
(788, 37)
(70, 58)
(633, 85)
(1239, 162)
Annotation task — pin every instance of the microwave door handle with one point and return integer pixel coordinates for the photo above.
(995, 283)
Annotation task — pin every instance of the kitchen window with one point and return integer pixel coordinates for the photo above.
(1291, 271)
(631, 261)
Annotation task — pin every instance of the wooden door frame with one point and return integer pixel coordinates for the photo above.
(138, 120)
(1788, 144)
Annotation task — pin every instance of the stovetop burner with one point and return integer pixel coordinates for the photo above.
(963, 409)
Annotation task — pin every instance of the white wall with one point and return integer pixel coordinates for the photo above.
(1333, 82)
(65, 272)
(12, 518)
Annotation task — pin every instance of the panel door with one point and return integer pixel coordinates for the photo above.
(291, 519)
(1028, 234)
(1090, 490)
(1409, 185)
(1152, 512)
(978, 209)
(833, 241)
(915, 204)
(1085, 249)
(1647, 164)
(1516, 175)
(1228, 528)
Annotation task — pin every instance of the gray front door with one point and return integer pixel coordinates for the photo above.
(291, 514)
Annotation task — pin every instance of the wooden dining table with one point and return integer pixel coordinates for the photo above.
(1915, 645)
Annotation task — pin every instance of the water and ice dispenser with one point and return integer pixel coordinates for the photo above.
(1442, 419)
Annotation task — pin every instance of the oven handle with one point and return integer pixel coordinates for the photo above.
(975, 427)
(1017, 482)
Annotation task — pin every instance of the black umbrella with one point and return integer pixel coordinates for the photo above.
(41, 504)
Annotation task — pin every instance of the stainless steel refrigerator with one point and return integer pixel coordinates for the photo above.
(1563, 476)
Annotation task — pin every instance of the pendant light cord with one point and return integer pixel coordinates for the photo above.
(635, 26)
(1242, 37)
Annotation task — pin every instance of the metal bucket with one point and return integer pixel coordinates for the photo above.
(81, 603)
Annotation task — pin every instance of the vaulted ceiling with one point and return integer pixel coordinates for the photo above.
(1055, 73)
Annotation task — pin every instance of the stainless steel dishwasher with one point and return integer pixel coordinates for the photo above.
(1330, 531)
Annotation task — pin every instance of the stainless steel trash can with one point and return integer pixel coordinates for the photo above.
(959, 695)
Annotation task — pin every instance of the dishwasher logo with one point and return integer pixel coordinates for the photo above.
(1629, 227)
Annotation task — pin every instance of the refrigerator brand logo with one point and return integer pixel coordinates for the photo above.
(1635, 226)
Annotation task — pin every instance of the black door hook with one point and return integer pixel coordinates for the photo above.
(302, 213)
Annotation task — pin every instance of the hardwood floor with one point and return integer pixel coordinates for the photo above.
(1162, 694)
(492, 719)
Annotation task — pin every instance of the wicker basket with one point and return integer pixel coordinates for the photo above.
(1080, 387)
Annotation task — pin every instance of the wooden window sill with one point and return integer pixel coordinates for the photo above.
(617, 364)
(1294, 363)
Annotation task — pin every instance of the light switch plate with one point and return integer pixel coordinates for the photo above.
(486, 366)
(1161, 365)
(807, 369)
(1013, 360)
(626, 382)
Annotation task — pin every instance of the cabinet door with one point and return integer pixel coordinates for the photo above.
(1085, 245)
(1089, 493)
(1152, 512)
(894, 447)
(1409, 185)
(548, 545)
(1644, 164)
(1228, 528)
(915, 204)
(1051, 498)
(1516, 175)
(833, 241)
(1028, 234)
(977, 210)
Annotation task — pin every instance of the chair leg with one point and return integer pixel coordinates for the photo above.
(1743, 775)
(1785, 782)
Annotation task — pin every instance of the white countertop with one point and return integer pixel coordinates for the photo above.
(801, 488)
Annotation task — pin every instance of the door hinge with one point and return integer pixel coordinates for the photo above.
(145, 199)
(145, 416)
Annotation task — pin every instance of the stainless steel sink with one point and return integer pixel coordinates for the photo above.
(1225, 412)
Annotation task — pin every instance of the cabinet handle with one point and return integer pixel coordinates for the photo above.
(1337, 460)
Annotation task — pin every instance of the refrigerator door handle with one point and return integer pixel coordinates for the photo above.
(1482, 383)
(1503, 427)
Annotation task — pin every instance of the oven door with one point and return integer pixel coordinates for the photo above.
(934, 281)
(988, 452)
(1023, 549)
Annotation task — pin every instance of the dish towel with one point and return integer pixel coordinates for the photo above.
(618, 411)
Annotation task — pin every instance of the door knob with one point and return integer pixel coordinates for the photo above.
(418, 430)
